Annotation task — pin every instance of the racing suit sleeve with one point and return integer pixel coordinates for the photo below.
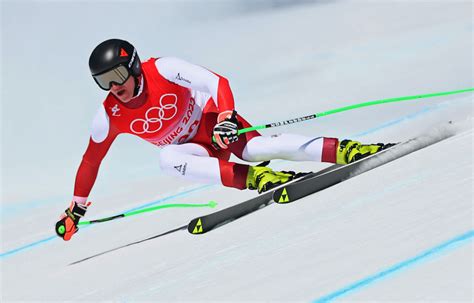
(197, 78)
(102, 136)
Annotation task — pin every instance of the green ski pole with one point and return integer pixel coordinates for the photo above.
(350, 107)
(211, 204)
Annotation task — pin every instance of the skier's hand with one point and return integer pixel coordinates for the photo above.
(226, 129)
(67, 224)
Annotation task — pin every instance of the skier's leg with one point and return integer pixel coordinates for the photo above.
(260, 178)
(291, 147)
(194, 161)
(254, 147)
(302, 148)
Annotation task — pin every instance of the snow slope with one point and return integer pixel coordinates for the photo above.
(401, 232)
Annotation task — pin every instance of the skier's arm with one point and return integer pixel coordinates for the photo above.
(197, 78)
(102, 136)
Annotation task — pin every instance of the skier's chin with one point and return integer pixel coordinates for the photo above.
(123, 95)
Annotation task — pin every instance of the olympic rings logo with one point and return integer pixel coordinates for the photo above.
(155, 116)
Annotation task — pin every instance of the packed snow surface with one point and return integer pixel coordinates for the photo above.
(400, 232)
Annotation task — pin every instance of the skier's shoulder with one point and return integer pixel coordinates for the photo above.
(101, 124)
(166, 64)
(169, 60)
(165, 61)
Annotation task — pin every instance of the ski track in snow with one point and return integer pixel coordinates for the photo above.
(436, 135)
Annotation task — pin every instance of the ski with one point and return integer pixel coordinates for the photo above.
(315, 182)
(205, 223)
(306, 185)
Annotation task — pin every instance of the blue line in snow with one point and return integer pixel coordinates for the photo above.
(394, 122)
(31, 245)
(16, 250)
(397, 267)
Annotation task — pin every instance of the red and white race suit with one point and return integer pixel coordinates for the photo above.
(176, 109)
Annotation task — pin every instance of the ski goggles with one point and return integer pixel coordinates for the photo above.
(118, 75)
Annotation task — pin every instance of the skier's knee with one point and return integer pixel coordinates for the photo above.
(253, 158)
(167, 157)
(257, 150)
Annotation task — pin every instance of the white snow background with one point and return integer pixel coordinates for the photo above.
(401, 232)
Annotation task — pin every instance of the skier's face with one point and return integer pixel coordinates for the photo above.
(125, 91)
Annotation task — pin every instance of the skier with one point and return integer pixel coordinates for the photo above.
(180, 107)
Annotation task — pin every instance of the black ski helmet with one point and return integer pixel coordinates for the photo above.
(113, 53)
